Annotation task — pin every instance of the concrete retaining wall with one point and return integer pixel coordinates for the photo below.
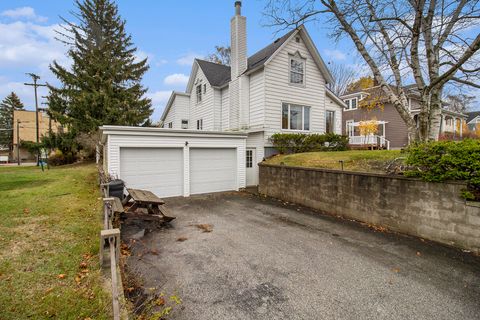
(433, 211)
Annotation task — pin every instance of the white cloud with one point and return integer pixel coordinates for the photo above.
(187, 59)
(176, 79)
(335, 54)
(23, 12)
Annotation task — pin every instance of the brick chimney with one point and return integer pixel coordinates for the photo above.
(238, 42)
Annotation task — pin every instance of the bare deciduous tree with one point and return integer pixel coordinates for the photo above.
(433, 43)
(220, 56)
(343, 76)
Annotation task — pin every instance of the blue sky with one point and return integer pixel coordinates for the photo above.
(169, 33)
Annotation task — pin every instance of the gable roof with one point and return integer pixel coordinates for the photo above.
(218, 75)
(472, 115)
(260, 57)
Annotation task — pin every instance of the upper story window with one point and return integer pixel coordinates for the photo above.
(199, 93)
(329, 121)
(297, 69)
(200, 124)
(352, 103)
(170, 125)
(295, 117)
(204, 88)
(184, 124)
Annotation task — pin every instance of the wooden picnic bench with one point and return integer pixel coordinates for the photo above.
(143, 199)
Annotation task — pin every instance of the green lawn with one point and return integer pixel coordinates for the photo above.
(49, 235)
(354, 160)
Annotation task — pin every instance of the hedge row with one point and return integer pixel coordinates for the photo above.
(301, 142)
(447, 160)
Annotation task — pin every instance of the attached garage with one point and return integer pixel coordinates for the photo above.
(175, 162)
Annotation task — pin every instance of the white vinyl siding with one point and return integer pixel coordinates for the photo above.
(225, 108)
(257, 100)
(203, 110)
(279, 90)
(178, 111)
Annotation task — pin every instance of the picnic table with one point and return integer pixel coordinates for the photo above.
(144, 199)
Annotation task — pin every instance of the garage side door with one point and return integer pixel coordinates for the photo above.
(159, 170)
(212, 170)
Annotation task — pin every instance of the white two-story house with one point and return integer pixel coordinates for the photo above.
(281, 88)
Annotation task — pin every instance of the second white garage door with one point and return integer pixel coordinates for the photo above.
(212, 170)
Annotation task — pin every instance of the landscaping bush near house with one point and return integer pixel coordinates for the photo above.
(447, 160)
(301, 142)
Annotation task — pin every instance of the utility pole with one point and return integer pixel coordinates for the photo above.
(18, 141)
(35, 85)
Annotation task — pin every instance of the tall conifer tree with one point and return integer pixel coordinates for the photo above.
(7, 106)
(103, 84)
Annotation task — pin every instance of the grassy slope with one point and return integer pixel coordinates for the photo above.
(49, 225)
(354, 160)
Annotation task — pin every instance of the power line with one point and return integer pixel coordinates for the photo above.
(35, 85)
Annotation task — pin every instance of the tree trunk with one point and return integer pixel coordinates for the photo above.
(435, 115)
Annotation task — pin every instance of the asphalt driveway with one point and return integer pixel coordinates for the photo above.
(267, 260)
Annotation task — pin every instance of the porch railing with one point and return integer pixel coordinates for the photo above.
(370, 140)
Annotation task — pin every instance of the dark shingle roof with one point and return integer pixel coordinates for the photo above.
(472, 115)
(219, 74)
(260, 57)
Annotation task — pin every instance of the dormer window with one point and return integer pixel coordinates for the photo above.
(199, 93)
(297, 70)
(351, 103)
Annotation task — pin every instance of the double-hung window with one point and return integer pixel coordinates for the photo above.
(170, 125)
(295, 117)
(200, 124)
(329, 121)
(297, 70)
(351, 104)
(184, 124)
(199, 93)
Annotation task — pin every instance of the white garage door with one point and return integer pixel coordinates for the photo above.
(212, 170)
(159, 170)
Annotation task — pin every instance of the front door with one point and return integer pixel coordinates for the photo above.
(251, 167)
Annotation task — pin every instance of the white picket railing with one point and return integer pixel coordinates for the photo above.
(370, 140)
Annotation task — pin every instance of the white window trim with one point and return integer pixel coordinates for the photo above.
(334, 124)
(181, 123)
(348, 128)
(296, 56)
(198, 94)
(349, 104)
(303, 117)
(200, 124)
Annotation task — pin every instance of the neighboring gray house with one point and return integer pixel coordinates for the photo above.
(392, 131)
(473, 120)
(281, 88)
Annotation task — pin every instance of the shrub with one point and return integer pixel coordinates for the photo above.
(447, 160)
(301, 142)
(58, 158)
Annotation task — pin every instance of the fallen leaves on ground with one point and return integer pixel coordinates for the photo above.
(61, 276)
(26, 211)
(181, 239)
(205, 227)
(396, 270)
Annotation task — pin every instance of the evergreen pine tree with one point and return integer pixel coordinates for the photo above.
(7, 106)
(103, 85)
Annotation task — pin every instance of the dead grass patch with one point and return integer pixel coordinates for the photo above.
(205, 227)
